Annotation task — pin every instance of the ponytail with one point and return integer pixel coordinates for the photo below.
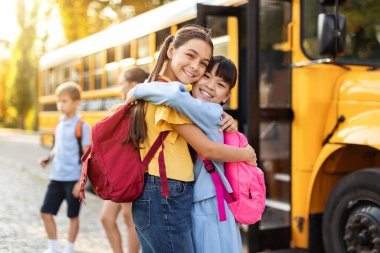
(161, 59)
(138, 131)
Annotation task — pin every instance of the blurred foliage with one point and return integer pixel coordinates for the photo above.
(18, 72)
(362, 15)
(22, 80)
(363, 24)
(44, 17)
(4, 63)
(85, 17)
(74, 18)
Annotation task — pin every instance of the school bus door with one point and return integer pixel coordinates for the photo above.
(264, 107)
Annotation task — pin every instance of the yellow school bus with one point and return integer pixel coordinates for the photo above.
(308, 98)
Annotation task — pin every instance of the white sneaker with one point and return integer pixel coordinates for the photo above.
(68, 249)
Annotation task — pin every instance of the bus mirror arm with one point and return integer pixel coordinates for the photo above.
(315, 62)
(328, 137)
(309, 63)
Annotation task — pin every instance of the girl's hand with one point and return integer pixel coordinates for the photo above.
(131, 99)
(228, 123)
(252, 155)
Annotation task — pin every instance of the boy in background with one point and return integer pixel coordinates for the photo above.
(66, 166)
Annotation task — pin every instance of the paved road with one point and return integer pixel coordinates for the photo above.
(22, 187)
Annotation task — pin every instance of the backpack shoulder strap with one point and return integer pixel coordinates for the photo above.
(153, 149)
(159, 142)
(78, 130)
(78, 135)
(221, 191)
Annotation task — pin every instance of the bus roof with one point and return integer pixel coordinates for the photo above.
(139, 26)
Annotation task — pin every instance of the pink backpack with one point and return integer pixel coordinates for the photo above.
(247, 201)
(248, 185)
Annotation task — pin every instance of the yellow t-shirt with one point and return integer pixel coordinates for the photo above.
(179, 165)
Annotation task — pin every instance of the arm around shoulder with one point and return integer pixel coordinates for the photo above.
(174, 95)
(157, 92)
(211, 150)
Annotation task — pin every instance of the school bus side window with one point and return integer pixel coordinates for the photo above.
(143, 57)
(98, 70)
(161, 36)
(111, 67)
(86, 72)
(52, 81)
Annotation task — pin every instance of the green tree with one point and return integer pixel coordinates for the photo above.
(22, 78)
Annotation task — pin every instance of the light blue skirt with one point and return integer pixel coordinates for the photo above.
(212, 235)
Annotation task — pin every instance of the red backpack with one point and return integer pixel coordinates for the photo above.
(113, 166)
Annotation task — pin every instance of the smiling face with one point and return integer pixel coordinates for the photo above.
(188, 62)
(211, 88)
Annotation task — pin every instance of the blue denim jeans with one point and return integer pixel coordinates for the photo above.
(164, 225)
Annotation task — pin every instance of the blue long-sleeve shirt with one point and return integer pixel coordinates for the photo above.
(206, 115)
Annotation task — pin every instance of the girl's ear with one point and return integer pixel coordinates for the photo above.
(170, 51)
(226, 98)
(77, 103)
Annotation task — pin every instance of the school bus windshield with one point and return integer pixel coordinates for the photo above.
(362, 30)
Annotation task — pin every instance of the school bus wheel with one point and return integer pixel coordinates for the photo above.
(351, 222)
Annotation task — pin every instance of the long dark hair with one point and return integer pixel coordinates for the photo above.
(138, 131)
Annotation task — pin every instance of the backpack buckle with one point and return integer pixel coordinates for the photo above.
(209, 166)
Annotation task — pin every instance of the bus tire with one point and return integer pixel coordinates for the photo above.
(351, 221)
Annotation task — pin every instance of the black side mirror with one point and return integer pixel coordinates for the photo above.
(331, 40)
(331, 2)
